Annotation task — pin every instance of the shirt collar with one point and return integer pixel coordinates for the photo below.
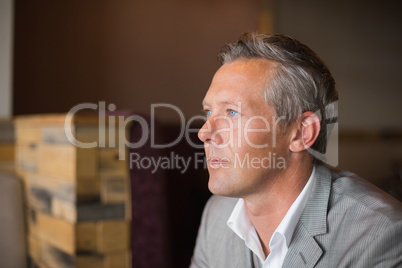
(240, 223)
(289, 222)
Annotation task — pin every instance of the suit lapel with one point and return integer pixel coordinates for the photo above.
(240, 253)
(304, 250)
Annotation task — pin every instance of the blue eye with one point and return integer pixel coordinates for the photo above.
(208, 112)
(233, 113)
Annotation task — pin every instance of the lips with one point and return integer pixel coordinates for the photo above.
(217, 162)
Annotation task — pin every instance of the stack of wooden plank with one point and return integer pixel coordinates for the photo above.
(7, 145)
(77, 191)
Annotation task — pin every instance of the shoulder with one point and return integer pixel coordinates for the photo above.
(355, 223)
(363, 224)
(214, 235)
(359, 196)
(217, 202)
(218, 209)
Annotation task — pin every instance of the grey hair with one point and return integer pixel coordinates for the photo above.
(300, 82)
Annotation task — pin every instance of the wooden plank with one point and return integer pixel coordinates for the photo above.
(90, 261)
(52, 196)
(42, 201)
(86, 239)
(113, 236)
(57, 160)
(103, 236)
(112, 137)
(114, 190)
(82, 212)
(118, 260)
(57, 232)
(27, 134)
(105, 138)
(52, 240)
(34, 264)
(45, 253)
(7, 132)
(54, 134)
(88, 190)
(7, 157)
(85, 128)
(96, 236)
(32, 222)
(27, 157)
(95, 212)
(87, 163)
(81, 191)
(60, 198)
(87, 134)
(8, 167)
(7, 152)
(57, 207)
(51, 128)
(113, 260)
(67, 161)
(54, 186)
(34, 249)
(110, 165)
(53, 257)
(64, 210)
(54, 119)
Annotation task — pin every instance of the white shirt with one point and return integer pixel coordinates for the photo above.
(240, 223)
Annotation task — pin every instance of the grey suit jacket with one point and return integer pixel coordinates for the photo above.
(347, 222)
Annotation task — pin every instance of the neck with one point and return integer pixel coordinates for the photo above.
(267, 208)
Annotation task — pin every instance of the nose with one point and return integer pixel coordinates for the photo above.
(210, 132)
(205, 132)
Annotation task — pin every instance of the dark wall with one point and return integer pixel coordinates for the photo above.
(130, 53)
(361, 43)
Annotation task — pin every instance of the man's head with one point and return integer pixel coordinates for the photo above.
(301, 81)
(260, 110)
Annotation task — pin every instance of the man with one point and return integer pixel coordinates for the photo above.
(269, 109)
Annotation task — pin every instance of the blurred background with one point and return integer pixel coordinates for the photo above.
(57, 54)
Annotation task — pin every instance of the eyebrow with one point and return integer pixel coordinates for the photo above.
(234, 101)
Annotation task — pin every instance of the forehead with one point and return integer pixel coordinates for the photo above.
(241, 80)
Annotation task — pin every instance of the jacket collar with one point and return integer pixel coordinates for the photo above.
(241, 256)
(304, 251)
(314, 216)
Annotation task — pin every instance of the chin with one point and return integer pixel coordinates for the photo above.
(225, 183)
(219, 188)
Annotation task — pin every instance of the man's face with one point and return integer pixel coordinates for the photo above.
(244, 152)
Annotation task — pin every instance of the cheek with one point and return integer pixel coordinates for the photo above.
(257, 132)
(260, 145)
(206, 150)
(226, 133)
(258, 140)
(250, 150)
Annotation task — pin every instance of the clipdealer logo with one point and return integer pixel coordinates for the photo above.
(114, 128)
(147, 128)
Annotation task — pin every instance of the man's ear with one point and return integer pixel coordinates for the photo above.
(306, 131)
